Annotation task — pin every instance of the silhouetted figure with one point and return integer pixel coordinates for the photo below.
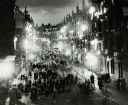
(118, 83)
(100, 83)
(92, 80)
(123, 84)
(33, 95)
(54, 95)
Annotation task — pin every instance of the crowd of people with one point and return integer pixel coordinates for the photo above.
(121, 84)
(42, 80)
(103, 78)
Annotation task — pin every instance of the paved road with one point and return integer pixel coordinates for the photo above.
(119, 97)
(83, 73)
(94, 98)
(68, 99)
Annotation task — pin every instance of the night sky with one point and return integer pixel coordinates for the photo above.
(45, 11)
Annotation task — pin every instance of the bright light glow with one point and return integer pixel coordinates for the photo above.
(7, 69)
(31, 57)
(34, 37)
(85, 40)
(63, 29)
(62, 37)
(63, 47)
(73, 47)
(60, 46)
(15, 41)
(10, 58)
(92, 59)
(98, 52)
(26, 44)
(97, 14)
(92, 10)
(71, 32)
(108, 58)
(46, 40)
(84, 27)
(16, 82)
(78, 23)
(30, 45)
(80, 36)
(68, 52)
(105, 10)
(29, 28)
(85, 50)
(94, 42)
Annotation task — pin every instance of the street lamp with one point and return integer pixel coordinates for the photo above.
(15, 42)
(84, 27)
(91, 11)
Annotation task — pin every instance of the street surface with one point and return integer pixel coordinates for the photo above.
(68, 98)
(119, 97)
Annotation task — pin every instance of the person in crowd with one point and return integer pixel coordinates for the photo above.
(55, 95)
(3, 92)
(15, 96)
(119, 83)
(108, 77)
(21, 87)
(92, 78)
(45, 81)
(33, 95)
(123, 84)
(100, 83)
(88, 87)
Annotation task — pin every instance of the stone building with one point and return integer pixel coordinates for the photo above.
(112, 25)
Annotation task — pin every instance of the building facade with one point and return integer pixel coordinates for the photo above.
(50, 32)
(112, 26)
(22, 19)
(7, 27)
(105, 34)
